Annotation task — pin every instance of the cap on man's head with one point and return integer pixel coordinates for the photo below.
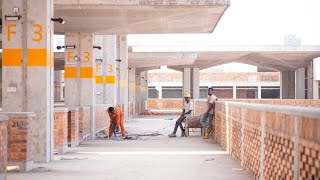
(187, 95)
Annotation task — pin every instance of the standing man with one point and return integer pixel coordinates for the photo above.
(186, 112)
(116, 120)
(206, 119)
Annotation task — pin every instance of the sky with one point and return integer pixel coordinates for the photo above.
(247, 22)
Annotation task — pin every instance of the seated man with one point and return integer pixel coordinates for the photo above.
(186, 112)
(116, 120)
(206, 119)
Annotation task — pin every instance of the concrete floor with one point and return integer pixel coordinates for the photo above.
(149, 158)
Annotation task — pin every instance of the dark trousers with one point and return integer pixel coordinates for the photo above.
(179, 123)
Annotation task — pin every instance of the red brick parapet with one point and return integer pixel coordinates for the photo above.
(271, 141)
(73, 126)
(102, 117)
(60, 135)
(21, 139)
(84, 122)
(3, 146)
(288, 102)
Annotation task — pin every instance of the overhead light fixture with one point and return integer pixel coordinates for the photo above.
(97, 60)
(97, 47)
(67, 47)
(118, 60)
(12, 18)
(142, 77)
(59, 20)
(129, 68)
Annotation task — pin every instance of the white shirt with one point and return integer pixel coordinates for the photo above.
(187, 107)
(211, 100)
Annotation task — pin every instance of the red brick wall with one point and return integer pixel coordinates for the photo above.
(84, 122)
(21, 139)
(218, 77)
(60, 130)
(239, 129)
(73, 127)
(102, 117)
(3, 145)
(246, 93)
(290, 102)
(165, 104)
(223, 93)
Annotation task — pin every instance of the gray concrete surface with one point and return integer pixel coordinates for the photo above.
(149, 158)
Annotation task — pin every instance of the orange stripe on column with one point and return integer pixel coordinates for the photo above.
(110, 79)
(99, 79)
(86, 72)
(70, 72)
(12, 57)
(38, 57)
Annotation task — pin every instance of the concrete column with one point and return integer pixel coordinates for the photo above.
(138, 92)
(316, 89)
(79, 73)
(310, 81)
(122, 50)
(234, 92)
(106, 69)
(132, 88)
(287, 85)
(58, 88)
(159, 89)
(28, 68)
(186, 80)
(195, 83)
(259, 92)
(300, 83)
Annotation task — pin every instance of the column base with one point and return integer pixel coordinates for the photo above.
(23, 166)
(61, 149)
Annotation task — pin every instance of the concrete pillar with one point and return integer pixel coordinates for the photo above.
(316, 77)
(132, 88)
(79, 73)
(28, 67)
(287, 85)
(309, 81)
(186, 80)
(159, 89)
(300, 83)
(316, 90)
(138, 93)
(259, 92)
(195, 83)
(106, 69)
(58, 87)
(122, 50)
(234, 92)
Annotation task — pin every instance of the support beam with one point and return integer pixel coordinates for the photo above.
(28, 68)
(195, 83)
(186, 80)
(287, 85)
(300, 83)
(234, 92)
(259, 92)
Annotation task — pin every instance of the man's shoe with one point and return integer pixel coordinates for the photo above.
(172, 135)
(206, 135)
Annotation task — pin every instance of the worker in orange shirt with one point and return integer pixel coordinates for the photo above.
(117, 119)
